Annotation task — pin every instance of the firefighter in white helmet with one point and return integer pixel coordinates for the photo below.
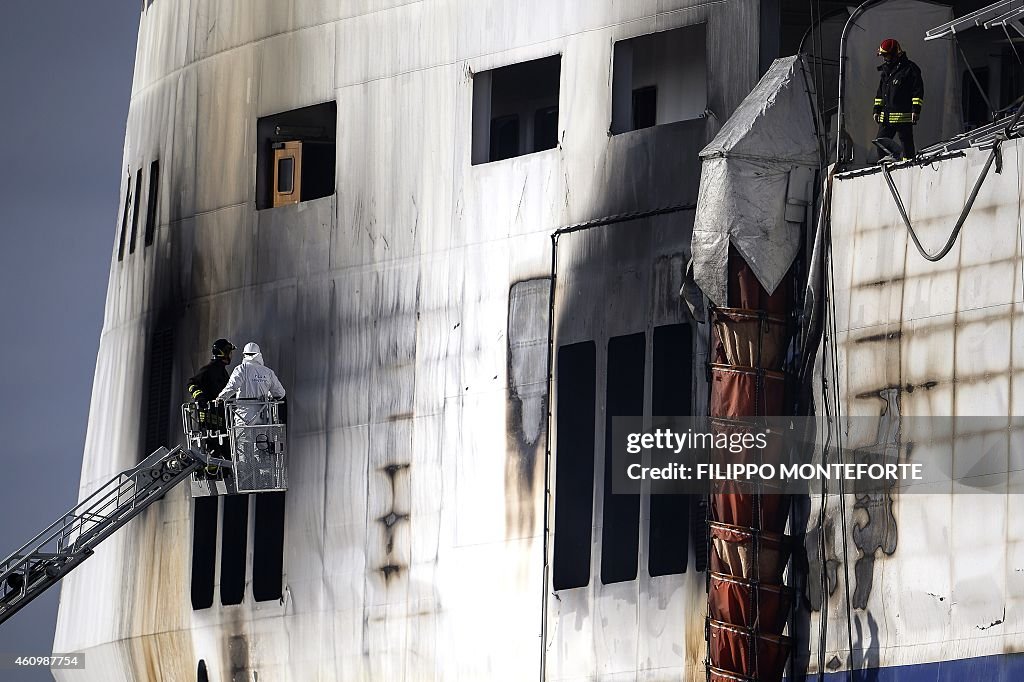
(251, 381)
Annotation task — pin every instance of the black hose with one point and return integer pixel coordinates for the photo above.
(967, 207)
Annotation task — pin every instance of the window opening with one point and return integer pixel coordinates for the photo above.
(204, 551)
(659, 78)
(268, 546)
(296, 155)
(124, 217)
(504, 137)
(515, 109)
(670, 397)
(201, 674)
(151, 204)
(158, 393)
(545, 128)
(574, 465)
(645, 107)
(135, 209)
(624, 397)
(233, 545)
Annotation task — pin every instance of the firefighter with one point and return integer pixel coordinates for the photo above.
(900, 96)
(205, 387)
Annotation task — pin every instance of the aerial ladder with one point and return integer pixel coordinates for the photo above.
(256, 438)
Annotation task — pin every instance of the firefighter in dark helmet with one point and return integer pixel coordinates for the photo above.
(205, 386)
(900, 96)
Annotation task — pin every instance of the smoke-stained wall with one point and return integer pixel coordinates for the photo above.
(414, 539)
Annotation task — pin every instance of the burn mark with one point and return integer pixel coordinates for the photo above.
(400, 416)
(993, 623)
(878, 530)
(887, 336)
(392, 469)
(389, 522)
(812, 542)
(527, 407)
(238, 658)
(879, 283)
(390, 571)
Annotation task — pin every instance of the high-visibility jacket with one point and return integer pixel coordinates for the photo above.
(209, 381)
(900, 91)
(204, 387)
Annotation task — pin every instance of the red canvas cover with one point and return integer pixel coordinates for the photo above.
(730, 650)
(746, 292)
(718, 675)
(732, 553)
(750, 338)
(745, 392)
(731, 600)
(767, 512)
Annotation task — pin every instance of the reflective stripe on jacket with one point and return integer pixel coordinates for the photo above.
(900, 91)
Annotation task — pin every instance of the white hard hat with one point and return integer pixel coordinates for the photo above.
(251, 349)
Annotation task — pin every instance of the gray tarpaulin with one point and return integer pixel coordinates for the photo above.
(762, 159)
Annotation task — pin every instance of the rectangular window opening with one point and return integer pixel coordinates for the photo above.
(157, 409)
(672, 371)
(268, 546)
(124, 217)
(151, 203)
(574, 465)
(233, 545)
(645, 107)
(659, 78)
(620, 524)
(296, 155)
(135, 209)
(515, 109)
(204, 551)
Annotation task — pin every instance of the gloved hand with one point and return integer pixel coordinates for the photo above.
(878, 117)
(914, 116)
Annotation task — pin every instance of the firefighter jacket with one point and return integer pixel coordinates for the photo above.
(900, 91)
(209, 382)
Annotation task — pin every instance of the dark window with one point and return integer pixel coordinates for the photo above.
(515, 109)
(233, 544)
(670, 397)
(620, 529)
(286, 175)
(124, 217)
(204, 551)
(201, 674)
(574, 465)
(157, 416)
(659, 78)
(268, 546)
(504, 137)
(151, 206)
(645, 107)
(308, 134)
(135, 209)
(545, 129)
(976, 111)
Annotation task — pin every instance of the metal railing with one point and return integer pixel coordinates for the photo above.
(71, 539)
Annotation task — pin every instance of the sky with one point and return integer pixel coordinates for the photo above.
(65, 79)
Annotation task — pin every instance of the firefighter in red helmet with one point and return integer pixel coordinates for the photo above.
(900, 96)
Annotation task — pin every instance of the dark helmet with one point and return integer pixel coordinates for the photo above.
(889, 46)
(222, 349)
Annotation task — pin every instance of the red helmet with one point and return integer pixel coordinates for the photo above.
(889, 46)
